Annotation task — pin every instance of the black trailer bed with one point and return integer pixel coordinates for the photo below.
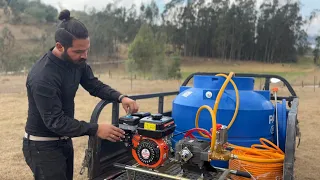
(171, 169)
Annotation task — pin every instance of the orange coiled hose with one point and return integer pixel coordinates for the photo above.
(261, 161)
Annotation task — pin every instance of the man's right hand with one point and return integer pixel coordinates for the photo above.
(110, 132)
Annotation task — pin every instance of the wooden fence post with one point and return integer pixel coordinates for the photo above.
(314, 84)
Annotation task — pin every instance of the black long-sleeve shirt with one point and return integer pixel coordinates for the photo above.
(51, 87)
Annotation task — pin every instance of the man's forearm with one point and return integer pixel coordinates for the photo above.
(66, 126)
(97, 88)
(108, 93)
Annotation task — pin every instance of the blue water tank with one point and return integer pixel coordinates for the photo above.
(255, 117)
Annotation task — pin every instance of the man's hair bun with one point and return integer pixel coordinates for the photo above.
(64, 15)
(69, 29)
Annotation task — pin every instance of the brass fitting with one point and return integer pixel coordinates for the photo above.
(220, 153)
(220, 148)
(222, 156)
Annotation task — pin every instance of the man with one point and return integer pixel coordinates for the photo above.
(51, 87)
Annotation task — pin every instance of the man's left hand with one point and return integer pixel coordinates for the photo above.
(129, 105)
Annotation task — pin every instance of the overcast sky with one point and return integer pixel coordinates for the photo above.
(307, 7)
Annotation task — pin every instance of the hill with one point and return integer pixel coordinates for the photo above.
(26, 30)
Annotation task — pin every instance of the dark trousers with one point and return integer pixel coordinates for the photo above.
(49, 160)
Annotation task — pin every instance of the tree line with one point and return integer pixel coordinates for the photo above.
(220, 29)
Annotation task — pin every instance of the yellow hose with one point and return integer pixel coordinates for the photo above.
(215, 109)
(268, 155)
(237, 99)
(214, 130)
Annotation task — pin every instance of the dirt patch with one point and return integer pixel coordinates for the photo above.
(12, 84)
(26, 32)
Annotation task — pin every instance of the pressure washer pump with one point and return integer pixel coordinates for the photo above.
(194, 154)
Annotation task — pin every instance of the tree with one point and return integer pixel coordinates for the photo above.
(142, 49)
(7, 42)
(147, 53)
(316, 51)
(150, 12)
(159, 69)
(174, 67)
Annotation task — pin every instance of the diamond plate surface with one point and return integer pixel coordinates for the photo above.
(172, 170)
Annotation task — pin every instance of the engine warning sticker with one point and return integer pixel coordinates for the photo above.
(187, 93)
(150, 126)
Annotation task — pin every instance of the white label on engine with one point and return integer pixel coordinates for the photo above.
(145, 153)
(187, 93)
(271, 119)
(190, 141)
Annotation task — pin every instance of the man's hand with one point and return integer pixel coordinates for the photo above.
(129, 105)
(110, 132)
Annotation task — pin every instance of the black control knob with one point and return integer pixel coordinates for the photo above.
(156, 116)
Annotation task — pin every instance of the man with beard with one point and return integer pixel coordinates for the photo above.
(51, 87)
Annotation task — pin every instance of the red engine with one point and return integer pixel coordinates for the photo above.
(149, 135)
(149, 152)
